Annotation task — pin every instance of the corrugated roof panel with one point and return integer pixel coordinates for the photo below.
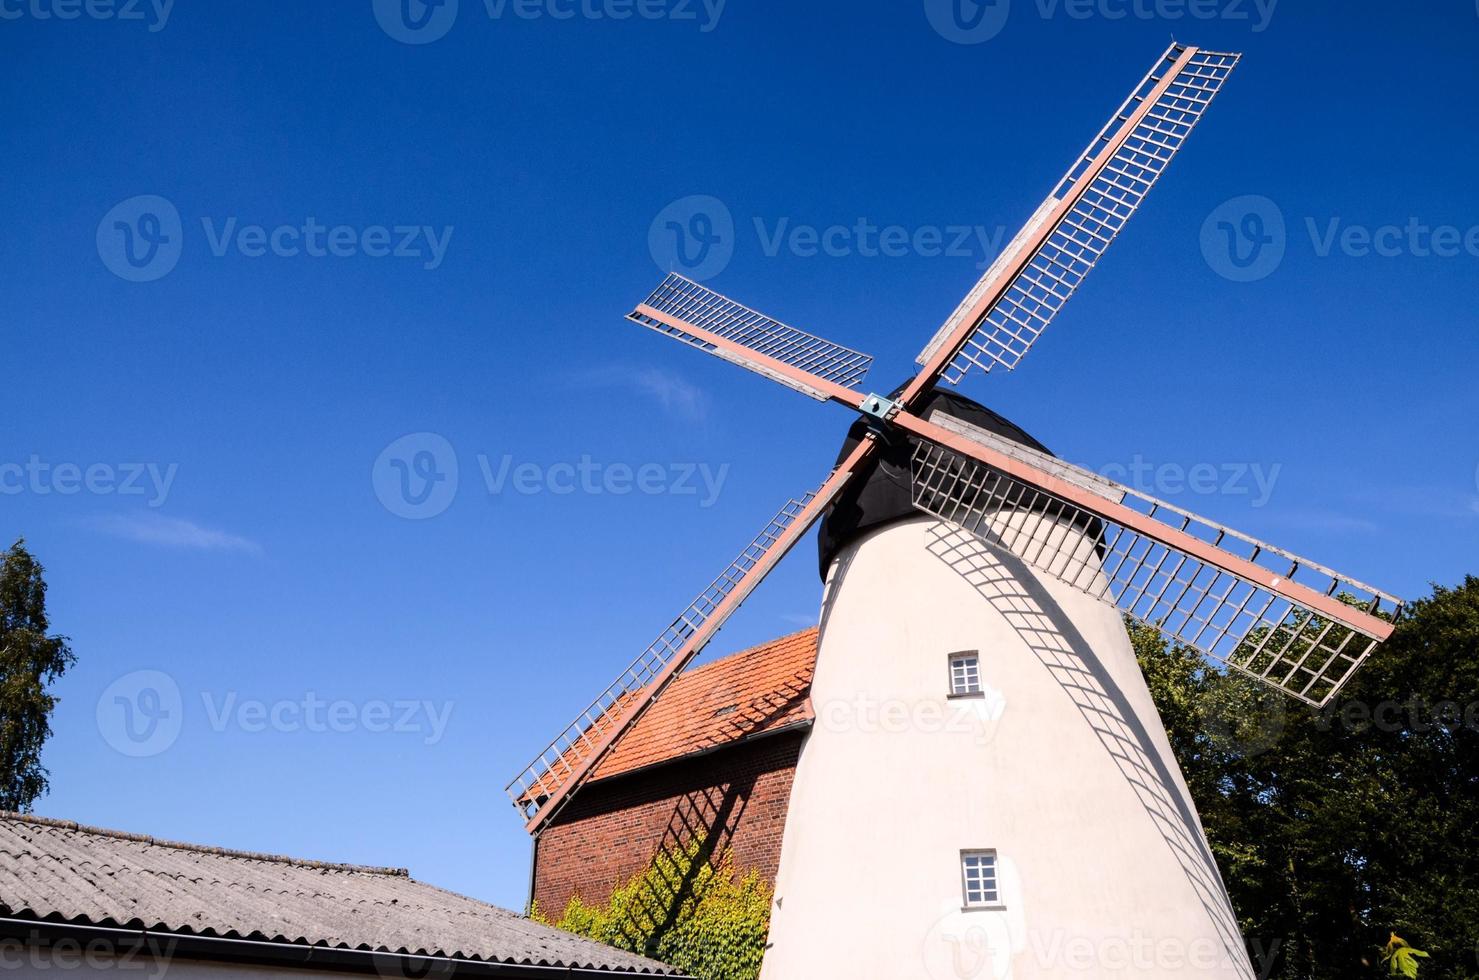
(99, 877)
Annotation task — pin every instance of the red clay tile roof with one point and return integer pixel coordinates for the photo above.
(762, 689)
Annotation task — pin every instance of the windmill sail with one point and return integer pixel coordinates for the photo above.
(543, 785)
(1023, 290)
(1258, 609)
(684, 310)
(562, 758)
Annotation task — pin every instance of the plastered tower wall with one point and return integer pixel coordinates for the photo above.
(1061, 766)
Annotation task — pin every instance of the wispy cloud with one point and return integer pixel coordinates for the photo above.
(173, 532)
(1322, 520)
(1442, 502)
(676, 395)
(673, 393)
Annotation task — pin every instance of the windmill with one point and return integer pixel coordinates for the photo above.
(935, 855)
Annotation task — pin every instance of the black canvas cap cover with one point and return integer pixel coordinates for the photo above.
(881, 493)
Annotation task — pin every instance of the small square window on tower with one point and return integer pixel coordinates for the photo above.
(965, 674)
(978, 877)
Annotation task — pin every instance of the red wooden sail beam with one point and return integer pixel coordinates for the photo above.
(547, 783)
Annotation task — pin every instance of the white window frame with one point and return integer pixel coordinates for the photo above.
(967, 691)
(988, 899)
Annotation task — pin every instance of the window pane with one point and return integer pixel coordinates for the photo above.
(965, 673)
(978, 872)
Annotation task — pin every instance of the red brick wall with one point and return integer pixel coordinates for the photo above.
(611, 829)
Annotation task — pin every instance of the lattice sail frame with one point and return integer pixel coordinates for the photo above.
(1217, 612)
(1084, 232)
(561, 759)
(678, 299)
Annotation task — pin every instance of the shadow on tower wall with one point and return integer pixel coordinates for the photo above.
(1013, 589)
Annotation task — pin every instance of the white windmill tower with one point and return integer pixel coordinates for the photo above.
(1052, 833)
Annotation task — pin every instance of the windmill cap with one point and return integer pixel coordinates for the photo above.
(880, 494)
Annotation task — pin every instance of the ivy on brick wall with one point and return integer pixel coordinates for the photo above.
(684, 910)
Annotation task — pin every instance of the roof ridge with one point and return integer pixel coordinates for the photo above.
(26, 818)
(748, 650)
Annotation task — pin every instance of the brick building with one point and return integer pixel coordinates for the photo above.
(714, 756)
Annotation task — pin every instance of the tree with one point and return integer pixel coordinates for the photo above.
(1334, 828)
(30, 660)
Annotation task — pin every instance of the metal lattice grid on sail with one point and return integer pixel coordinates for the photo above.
(687, 301)
(562, 759)
(1083, 233)
(1191, 600)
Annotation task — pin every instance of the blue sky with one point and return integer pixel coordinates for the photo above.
(356, 684)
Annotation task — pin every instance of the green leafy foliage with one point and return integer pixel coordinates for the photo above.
(29, 661)
(1401, 959)
(684, 910)
(1332, 826)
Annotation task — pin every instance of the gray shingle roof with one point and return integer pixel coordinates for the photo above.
(58, 870)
